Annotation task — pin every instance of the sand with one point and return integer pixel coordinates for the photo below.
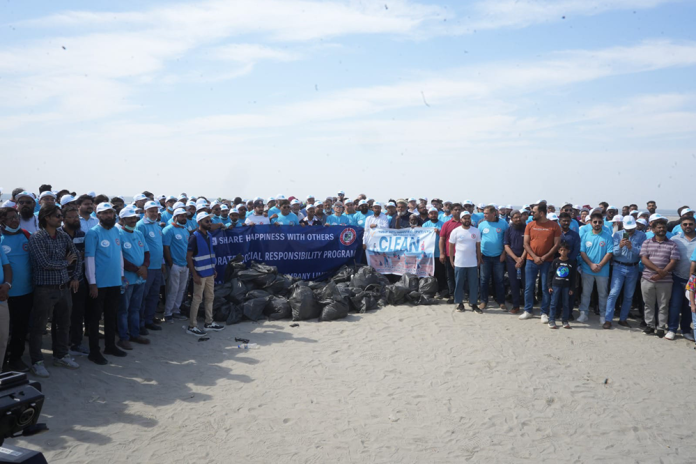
(398, 385)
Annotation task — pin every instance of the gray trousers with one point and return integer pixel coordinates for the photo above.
(4, 327)
(58, 304)
(656, 294)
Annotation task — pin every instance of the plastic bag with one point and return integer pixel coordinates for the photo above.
(253, 309)
(367, 276)
(239, 291)
(343, 274)
(278, 308)
(236, 314)
(221, 291)
(279, 286)
(223, 313)
(233, 267)
(253, 294)
(428, 286)
(335, 310)
(303, 304)
(249, 275)
(365, 301)
(396, 294)
(409, 281)
(265, 280)
(263, 268)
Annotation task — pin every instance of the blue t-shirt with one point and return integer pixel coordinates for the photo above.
(226, 220)
(3, 261)
(216, 219)
(608, 228)
(693, 256)
(574, 225)
(436, 225)
(476, 218)
(492, 235)
(596, 247)
(290, 220)
(339, 220)
(16, 248)
(153, 236)
(166, 216)
(176, 238)
(360, 217)
(444, 217)
(105, 247)
(272, 211)
(133, 247)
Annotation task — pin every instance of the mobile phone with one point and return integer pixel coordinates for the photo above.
(625, 235)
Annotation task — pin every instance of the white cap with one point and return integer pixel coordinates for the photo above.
(127, 212)
(295, 202)
(465, 213)
(617, 218)
(310, 196)
(280, 197)
(629, 222)
(686, 210)
(348, 200)
(65, 199)
(91, 194)
(214, 203)
(181, 197)
(178, 204)
(178, 211)
(47, 194)
(190, 203)
(202, 215)
(566, 203)
(171, 198)
(642, 221)
(162, 197)
(634, 212)
(104, 207)
(139, 197)
(612, 207)
(508, 206)
(552, 217)
(391, 203)
(224, 207)
(431, 209)
(25, 194)
(234, 211)
(411, 199)
(643, 213)
(657, 217)
(151, 204)
(362, 202)
(466, 202)
(341, 192)
(376, 203)
(578, 207)
(481, 205)
(311, 207)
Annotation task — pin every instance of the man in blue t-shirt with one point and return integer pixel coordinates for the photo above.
(175, 241)
(596, 250)
(492, 230)
(136, 259)
(363, 213)
(338, 218)
(104, 270)
(440, 270)
(286, 217)
(149, 227)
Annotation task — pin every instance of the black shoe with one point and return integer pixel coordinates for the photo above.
(154, 327)
(450, 300)
(477, 309)
(660, 333)
(98, 359)
(460, 307)
(648, 331)
(17, 365)
(643, 324)
(143, 331)
(115, 352)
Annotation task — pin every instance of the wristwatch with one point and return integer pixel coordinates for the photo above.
(7, 283)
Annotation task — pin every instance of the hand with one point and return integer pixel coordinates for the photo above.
(443, 258)
(538, 261)
(519, 261)
(550, 290)
(372, 226)
(273, 217)
(327, 225)
(142, 272)
(196, 279)
(4, 291)
(452, 262)
(518, 264)
(276, 224)
(74, 285)
(502, 258)
(662, 273)
(214, 275)
(596, 268)
(364, 247)
(570, 292)
(164, 269)
(303, 224)
(693, 308)
(629, 245)
(124, 282)
(70, 258)
(93, 291)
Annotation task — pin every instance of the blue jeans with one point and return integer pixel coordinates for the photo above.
(514, 283)
(626, 276)
(560, 294)
(588, 281)
(128, 316)
(461, 276)
(150, 296)
(679, 307)
(492, 265)
(531, 269)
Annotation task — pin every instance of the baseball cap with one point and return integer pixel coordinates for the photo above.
(311, 207)
(376, 203)
(341, 192)
(362, 202)
(629, 222)
(280, 197)
(612, 207)
(310, 196)
(104, 207)
(25, 194)
(657, 217)
(47, 194)
(171, 198)
(552, 217)
(139, 197)
(234, 211)
(391, 203)
(634, 212)
(643, 213)
(151, 204)
(162, 197)
(190, 203)
(411, 199)
(431, 209)
(65, 199)
(258, 203)
(642, 221)
(465, 213)
(224, 207)
(295, 202)
(686, 210)
(202, 215)
(178, 211)
(127, 212)
(481, 205)
(182, 197)
(617, 218)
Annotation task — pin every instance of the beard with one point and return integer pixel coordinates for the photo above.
(519, 226)
(26, 212)
(108, 223)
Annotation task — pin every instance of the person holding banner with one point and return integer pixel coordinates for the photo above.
(440, 271)
(377, 220)
(466, 241)
(310, 219)
(338, 218)
(257, 217)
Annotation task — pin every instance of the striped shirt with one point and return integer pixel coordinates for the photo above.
(660, 254)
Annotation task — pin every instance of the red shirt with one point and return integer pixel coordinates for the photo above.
(446, 231)
(541, 237)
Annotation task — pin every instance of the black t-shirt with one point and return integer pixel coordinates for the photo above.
(562, 273)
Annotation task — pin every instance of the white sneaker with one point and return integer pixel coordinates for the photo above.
(544, 318)
(66, 361)
(583, 317)
(670, 335)
(214, 326)
(195, 331)
(689, 337)
(602, 320)
(526, 315)
(39, 370)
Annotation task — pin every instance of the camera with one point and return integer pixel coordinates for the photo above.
(21, 401)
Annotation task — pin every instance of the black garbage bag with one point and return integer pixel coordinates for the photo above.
(343, 274)
(253, 294)
(365, 301)
(428, 286)
(239, 291)
(303, 304)
(316, 285)
(263, 268)
(335, 310)
(265, 280)
(221, 291)
(233, 267)
(328, 294)
(253, 309)
(218, 303)
(367, 276)
(278, 308)
(250, 274)
(409, 281)
(280, 285)
(223, 313)
(236, 314)
(396, 294)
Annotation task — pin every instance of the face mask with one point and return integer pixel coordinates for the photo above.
(171, 210)
(129, 228)
(11, 230)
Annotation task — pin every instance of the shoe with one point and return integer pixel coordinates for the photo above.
(179, 317)
(606, 325)
(195, 331)
(214, 326)
(670, 335)
(154, 327)
(602, 320)
(566, 325)
(98, 359)
(66, 361)
(157, 320)
(544, 318)
(450, 300)
(144, 331)
(648, 331)
(169, 319)
(642, 324)
(689, 337)
(141, 340)
(113, 351)
(514, 310)
(596, 310)
(526, 315)
(78, 350)
(476, 309)
(504, 307)
(460, 307)
(484, 305)
(39, 370)
(17, 365)
(583, 317)
(660, 332)
(125, 344)
(552, 325)
(624, 324)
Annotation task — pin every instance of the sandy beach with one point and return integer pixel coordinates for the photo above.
(401, 384)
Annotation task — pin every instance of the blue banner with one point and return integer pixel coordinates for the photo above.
(310, 253)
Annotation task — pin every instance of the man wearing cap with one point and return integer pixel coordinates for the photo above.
(257, 217)
(166, 216)
(466, 240)
(151, 230)
(401, 219)
(363, 213)
(625, 270)
(140, 199)
(574, 225)
(338, 218)
(513, 240)
(136, 259)
(105, 275)
(45, 198)
(85, 204)
(679, 308)
(659, 256)
(492, 230)
(596, 251)
(341, 195)
(310, 201)
(296, 208)
(286, 217)
(310, 219)
(391, 210)
(434, 222)
(25, 208)
(200, 258)
(445, 215)
(225, 215)
(235, 219)
(445, 233)
(175, 239)
(685, 212)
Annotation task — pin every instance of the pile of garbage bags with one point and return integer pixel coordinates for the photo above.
(260, 292)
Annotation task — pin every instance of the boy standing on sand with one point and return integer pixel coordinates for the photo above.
(561, 282)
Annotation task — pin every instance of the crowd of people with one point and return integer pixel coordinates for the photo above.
(75, 260)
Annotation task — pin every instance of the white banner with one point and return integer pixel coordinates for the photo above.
(401, 251)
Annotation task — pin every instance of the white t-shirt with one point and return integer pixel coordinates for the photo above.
(257, 220)
(465, 241)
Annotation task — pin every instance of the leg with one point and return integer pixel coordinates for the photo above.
(545, 297)
(676, 302)
(44, 300)
(472, 276)
(209, 295)
(555, 300)
(440, 276)
(136, 300)
(498, 273)
(617, 283)
(61, 322)
(650, 298)
(151, 296)
(630, 280)
(20, 312)
(451, 281)
(602, 292)
(111, 303)
(77, 315)
(664, 291)
(4, 327)
(486, 269)
(173, 284)
(195, 303)
(514, 283)
(94, 317)
(530, 274)
(565, 293)
(122, 313)
(183, 279)
(587, 286)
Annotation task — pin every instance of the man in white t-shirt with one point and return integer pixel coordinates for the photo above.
(257, 218)
(465, 256)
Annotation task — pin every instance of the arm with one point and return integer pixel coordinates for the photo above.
(552, 251)
(167, 255)
(40, 253)
(549, 277)
(78, 263)
(4, 288)
(693, 268)
(130, 267)
(647, 263)
(479, 259)
(192, 270)
(451, 253)
(528, 248)
(606, 259)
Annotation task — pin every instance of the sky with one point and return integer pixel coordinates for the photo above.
(498, 101)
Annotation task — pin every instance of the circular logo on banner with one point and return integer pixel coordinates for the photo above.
(486, 230)
(177, 236)
(6, 249)
(588, 244)
(152, 234)
(601, 243)
(127, 245)
(105, 243)
(348, 236)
